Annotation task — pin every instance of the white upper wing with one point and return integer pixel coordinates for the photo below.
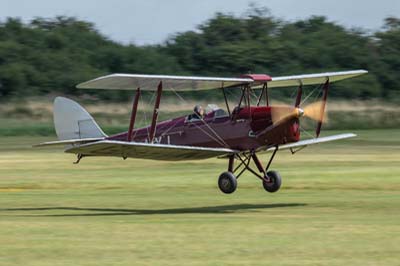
(148, 151)
(150, 82)
(312, 79)
(186, 83)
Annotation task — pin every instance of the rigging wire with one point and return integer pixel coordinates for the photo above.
(213, 138)
(305, 131)
(207, 125)
(171, 127)
(310, 94)
(293, 93)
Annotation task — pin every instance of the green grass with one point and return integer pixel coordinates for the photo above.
(339, 205)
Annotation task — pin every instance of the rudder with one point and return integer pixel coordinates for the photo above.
(72, 121)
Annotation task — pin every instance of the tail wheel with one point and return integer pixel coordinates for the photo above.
(227, 182)
(275, 182)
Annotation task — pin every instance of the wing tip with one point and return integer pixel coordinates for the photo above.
(361, 71)
(86, 84)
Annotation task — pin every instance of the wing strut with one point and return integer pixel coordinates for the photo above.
(264, 90)
(155, 113)
(226, 101)
(324, 97)
(298, 97)
(133, 115)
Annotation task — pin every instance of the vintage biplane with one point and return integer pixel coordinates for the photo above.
(238, 134)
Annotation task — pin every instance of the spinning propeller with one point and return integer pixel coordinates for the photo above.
(314, 111)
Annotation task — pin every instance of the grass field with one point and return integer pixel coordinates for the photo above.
(339, 205)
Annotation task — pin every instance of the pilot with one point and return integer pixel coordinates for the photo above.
(198, 113)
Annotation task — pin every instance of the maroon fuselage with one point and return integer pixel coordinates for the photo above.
(246, 129)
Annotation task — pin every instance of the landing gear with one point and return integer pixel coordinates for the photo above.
(271, 180)
(227, 182)
(275, 182)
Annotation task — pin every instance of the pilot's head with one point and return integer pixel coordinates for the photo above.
(199, 110)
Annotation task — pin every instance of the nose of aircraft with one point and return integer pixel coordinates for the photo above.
(282, 113)
(300, 112)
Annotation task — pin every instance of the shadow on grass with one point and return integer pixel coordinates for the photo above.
(115, 212)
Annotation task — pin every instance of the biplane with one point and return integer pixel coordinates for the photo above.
(238, 133)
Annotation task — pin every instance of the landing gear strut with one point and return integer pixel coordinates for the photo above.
(271, 180)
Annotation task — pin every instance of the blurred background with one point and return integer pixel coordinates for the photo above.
(46, 48)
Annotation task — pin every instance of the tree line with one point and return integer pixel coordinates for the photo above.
(50, 56)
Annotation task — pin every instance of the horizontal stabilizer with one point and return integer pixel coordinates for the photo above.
(148, 151)
(67, 142)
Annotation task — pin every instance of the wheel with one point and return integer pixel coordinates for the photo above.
(275, 182)
(227, 182)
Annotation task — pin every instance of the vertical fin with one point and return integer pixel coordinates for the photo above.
(71, 121)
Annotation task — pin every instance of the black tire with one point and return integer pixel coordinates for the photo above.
(227, 182)
(275, 182)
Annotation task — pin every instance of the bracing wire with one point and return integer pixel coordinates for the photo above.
(208, 126)
(310, 94)
(305, 131)
(213, 138)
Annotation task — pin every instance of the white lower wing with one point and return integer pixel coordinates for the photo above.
(148, 151)
(307, 142)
